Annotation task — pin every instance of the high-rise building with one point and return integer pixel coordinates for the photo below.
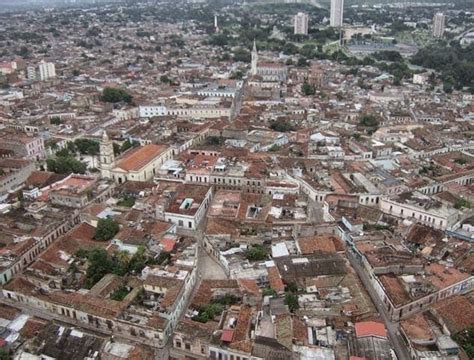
(31, 73)
(216, 26)
(438, 25)
(337, 9)
(46, 71)
(301, 23)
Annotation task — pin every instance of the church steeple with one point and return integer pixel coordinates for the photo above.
(107, 157)
(254, 58)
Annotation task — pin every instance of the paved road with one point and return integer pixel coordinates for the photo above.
(392, 327)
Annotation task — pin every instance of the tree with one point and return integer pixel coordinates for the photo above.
(127, 144)
(126, 201)
(114, 95)
(237, 75)
(281, 126)
(369, 120)
(87, 146)
(302, 62)
(218, 40)
(66, 165)
(165, 79)
(106, 229)
(447, 87)
(5, 355)
(292, 301)
(388, 55)
(292, 287)
(99, 266)
(55, 120)
(256, 253)
(242, 55)
(308, 89)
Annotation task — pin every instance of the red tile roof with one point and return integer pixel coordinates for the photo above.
(227, 335)
(140, 157)
(370, 328)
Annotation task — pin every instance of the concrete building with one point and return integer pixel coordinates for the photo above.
(438, 25)
(46, 71)
(301, 23)
(336, 16)
(31, 73)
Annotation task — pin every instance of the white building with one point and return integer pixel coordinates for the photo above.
(438, 25)
(301, 23)
(420, 208)
(31, 73)
(46, 71)
(336, 16)
(151, 111)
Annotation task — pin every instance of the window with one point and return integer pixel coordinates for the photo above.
(190, 224)
(187, 346)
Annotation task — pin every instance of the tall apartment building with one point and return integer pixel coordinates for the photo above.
(46, 70)
(31, 73)
(301, 23)
(438, 25)
(337, 9)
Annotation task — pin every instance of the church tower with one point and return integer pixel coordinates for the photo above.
(254, 58)
(107, 158)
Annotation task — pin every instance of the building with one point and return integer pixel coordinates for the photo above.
(22, 145)
(138, 164)
(46, 71)
(31, 73)
(419, 207)
(187, 206)
(337, 9)
(438, 25)
(301, 24)
(13, 173)
(267, 70)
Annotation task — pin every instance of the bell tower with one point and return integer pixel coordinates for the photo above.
(254, 58)
(107, 157)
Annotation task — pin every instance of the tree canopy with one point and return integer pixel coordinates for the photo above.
(455, 63)
(106, 229)
(114, 95)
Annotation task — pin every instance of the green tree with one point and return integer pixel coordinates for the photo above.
(281, 126)
(114, 95)
(99, 265)
(308, 89)
(87, 146)
(120, 293)
(242, 55)
(256, 253)
(369, 120)
(5, 355)
(292, 301)
(302, 62)
(106, 229)
(66, 165)
(55, 120)
(165, 79)
(126, 201)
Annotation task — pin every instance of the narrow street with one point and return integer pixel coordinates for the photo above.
(392, 327)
